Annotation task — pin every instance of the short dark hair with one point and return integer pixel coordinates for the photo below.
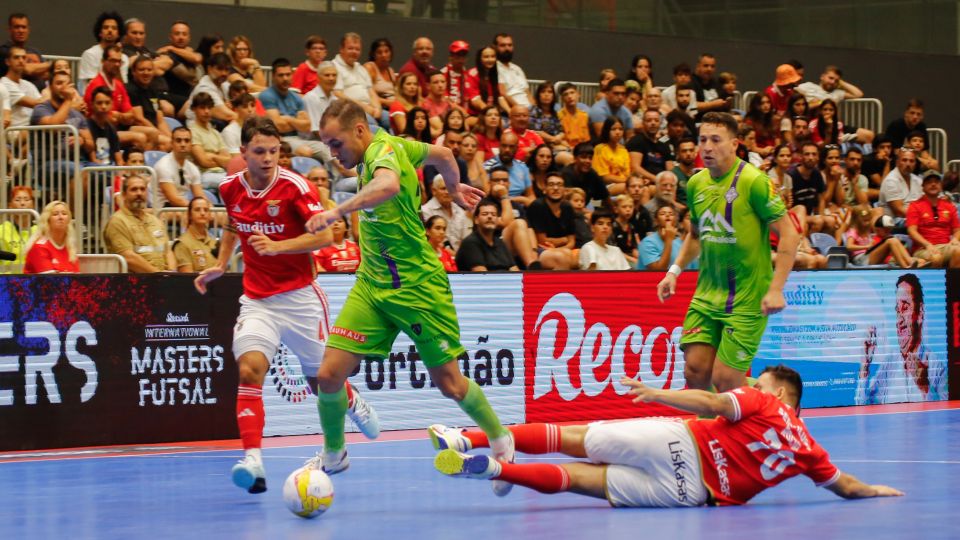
(219, 60)
(721, 119)
(101, 90)
(915, 133)
(616, 81)
(564, 87)
(258, 125)
(104, 17)
(809, 144)
(313, 40)
(486, 201)
(501, 168)
(242, 100)
(600, 214)
(789, 377)
(346, 111)
(853, 150)
(834, 69)
(116, 47)
(915, 102)
(279, 63)
(678, 115)
(202, 99)
(685, 140)
(181, 128)
(607, 127)
(131, 150)
(431, 73)
(682, 68)
(500, 35)
(16, 16)
(583, 148)
(797, 65)
(376, 44)
(916, 290)
(139, 59)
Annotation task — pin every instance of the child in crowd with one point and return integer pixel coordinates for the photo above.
(624, 236)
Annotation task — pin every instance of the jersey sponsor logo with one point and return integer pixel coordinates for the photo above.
(273, 208)
(720, 462)
(714, 227)
(315, 207)
(245, 412)
(692, 331)
(349, 334)
(679, 469)
(261, 227)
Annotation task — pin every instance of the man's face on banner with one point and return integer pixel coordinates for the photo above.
(908, 318)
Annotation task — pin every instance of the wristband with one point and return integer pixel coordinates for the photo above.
(675, 270)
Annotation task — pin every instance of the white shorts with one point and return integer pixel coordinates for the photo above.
(653, 462)
(298, 319)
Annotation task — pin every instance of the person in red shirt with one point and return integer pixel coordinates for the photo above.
(527, 138)
(782, 88)
(456, 73)
(53, 247)
(933, 225)
(305, 76)
(133, 128)
(436, 228)
(343, 255)
(268, 208)
(436, 103)
(419, 63)
(756, 442)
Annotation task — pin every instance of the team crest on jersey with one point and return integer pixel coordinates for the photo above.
(731, 195)
(236, 208)
(273, 208)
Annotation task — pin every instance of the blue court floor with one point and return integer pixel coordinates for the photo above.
(391, 491)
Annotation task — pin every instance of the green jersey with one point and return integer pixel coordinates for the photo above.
(733, 213)
(394, 251)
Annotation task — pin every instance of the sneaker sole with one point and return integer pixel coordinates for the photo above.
(368, 434)
(242, 477)
(438, 443)
(449, 462)
(259, 486)
(501, 488)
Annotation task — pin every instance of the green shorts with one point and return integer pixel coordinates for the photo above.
(372, 317)
(735, 336)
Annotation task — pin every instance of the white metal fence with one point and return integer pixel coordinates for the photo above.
(937, 138)
(98, 205)
(863, 113)
(44, 158)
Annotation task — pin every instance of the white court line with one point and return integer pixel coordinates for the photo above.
(880, 413)
(933, 462)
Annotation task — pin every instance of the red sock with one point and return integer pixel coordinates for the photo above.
(529, 438)
(542, 477)
(250, 415)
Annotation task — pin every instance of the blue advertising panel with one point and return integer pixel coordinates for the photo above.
(862, 337)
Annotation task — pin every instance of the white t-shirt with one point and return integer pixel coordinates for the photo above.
(168, 172)
(894, 188)
(354, 81)
(459, 225)
(4, 98)
(316, 102)
(605, 257)
(814, 92)
(19, 114)
(90, 62)
(207, 85)
(514, 80)
(231, 137)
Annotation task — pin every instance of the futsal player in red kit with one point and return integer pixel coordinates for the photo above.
(756, 442)
(268, 207)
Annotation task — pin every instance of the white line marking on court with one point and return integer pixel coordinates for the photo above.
(806, 418)
(933, 462)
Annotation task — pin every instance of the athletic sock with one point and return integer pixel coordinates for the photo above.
(333, 410)
(350, 393)
(250, 416)
(529, 438)
(476, 406)
(543, 477)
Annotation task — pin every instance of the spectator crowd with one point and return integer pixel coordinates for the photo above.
(596, 185)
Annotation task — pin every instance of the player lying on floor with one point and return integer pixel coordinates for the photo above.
(756, 441)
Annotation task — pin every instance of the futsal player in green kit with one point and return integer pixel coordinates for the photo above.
(401, 285)
(732, 205)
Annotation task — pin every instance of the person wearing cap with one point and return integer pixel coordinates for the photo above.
(933, 225)
(832, 86)
(456, 73)
(580, 174)
(901, 187)
(782, 88)
(419, 63)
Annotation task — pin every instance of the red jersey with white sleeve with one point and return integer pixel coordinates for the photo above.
(45, 257)
(764, 445)
(343, 257)
(280, 212)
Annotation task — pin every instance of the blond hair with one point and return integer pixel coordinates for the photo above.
(576, 191)
(43, 230)
(862, 219)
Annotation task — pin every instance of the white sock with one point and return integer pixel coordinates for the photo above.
(502, 446)
(255, 452)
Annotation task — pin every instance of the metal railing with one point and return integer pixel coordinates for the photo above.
(953, 166)
(45, 159)
(175, 220)
(97, 206)
(17, 241)
(102, 263)
(588, 91)
(937, 138)
(745, 99)
(863, 113)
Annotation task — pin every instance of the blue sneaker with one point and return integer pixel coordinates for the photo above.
(364, 416)
(453, 463)
(248, 474)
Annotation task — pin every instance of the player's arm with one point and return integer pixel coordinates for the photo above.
(695, 401)
(442, 158)
(848, 487)
(788, 230)
(228, 242)
(305, 243)
(689, 250)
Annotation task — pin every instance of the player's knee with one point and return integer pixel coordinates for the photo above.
(327, 381)
(696, 376)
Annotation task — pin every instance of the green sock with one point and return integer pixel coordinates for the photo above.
(476, 406)
(333, 410)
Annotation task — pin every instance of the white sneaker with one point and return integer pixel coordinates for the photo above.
(364, 416)
(249, 474)
(453, 463)
(316, 462)
(444, 437)
(333, 462)
(504, 449)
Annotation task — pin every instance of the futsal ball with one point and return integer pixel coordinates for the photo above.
(308, 492)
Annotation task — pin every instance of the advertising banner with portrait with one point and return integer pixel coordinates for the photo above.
(953, 331)
(862, 337)
(490, 310)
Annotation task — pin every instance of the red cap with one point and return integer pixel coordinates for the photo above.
(459, 46)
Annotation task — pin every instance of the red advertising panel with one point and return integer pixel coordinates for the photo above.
(584, 331)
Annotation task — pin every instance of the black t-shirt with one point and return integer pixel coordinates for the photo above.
(589, 181)
(146, 98)
(623, 237)
(175, 84)
(106, 144)
(430, 172)
(642, 221)
(656, 154)
(474, 251)
(542, 220)
(897, 132)
(583, 232)
(807, 191)
(873, 165)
